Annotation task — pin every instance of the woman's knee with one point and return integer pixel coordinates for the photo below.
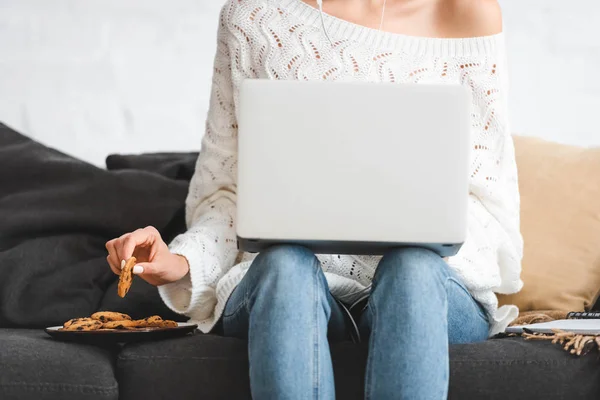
(286, 266)
(411, 277)
(413, 264)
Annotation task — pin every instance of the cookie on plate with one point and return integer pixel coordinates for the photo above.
(83, 325)
(126, 324)
(75, 320)
(169, 324)
(150, 322)
(107, 316)
(126, 277)
(155, 321)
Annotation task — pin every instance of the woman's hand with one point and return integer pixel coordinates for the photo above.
(155, 263)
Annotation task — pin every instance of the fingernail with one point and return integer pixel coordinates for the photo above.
(138, 269)
(122, 263)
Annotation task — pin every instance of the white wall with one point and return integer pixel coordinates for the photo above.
(97, 76)
(554, 56)
(93, 77)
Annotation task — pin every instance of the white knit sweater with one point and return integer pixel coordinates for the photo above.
(283, 39)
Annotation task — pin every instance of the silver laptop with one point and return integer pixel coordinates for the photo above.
(352, 167)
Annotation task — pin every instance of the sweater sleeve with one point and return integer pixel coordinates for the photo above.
(209, 244)
(492, 252)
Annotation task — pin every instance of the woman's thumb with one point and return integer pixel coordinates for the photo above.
(145, 268)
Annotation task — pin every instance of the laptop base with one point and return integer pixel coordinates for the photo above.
(345, 247)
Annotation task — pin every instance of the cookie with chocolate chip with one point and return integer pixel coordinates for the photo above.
(83, 324)
(126, 277)
(108, 316)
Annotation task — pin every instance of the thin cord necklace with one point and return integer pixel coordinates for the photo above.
(320, 4)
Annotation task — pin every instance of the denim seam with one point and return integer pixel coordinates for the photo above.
(317, 304)
(445, 307)
(481, 312)
(372, 334)
(243, 304)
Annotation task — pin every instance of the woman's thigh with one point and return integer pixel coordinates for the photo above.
(466, 319)
(299, 273)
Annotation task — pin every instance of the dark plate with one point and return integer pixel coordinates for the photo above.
(105, 337)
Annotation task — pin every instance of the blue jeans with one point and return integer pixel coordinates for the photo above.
(416, 308)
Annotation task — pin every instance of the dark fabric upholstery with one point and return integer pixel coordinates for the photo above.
(513, 368)
(34, 366)
(179, 166)
(198, 366)
(211, 367)
(57, 212)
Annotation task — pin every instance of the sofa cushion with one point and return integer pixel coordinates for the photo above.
(513, 368)
(560, 222)
(35, 366)
(56, 214)
(213, 367)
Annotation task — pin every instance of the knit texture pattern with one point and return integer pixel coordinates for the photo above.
(283, 39)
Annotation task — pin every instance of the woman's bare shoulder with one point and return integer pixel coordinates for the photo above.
(470, 18)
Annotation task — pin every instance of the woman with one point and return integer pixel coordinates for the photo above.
(287, 302)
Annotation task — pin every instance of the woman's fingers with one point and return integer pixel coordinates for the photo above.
(113, 267)
(144, 268)
(127, 243)
(143, 243)
(149, 272)
(113, 257)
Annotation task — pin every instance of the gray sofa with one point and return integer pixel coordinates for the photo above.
(57, 212)
(34, 366)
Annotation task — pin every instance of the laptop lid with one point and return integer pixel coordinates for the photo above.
(352, 167)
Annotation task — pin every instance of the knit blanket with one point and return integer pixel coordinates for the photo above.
(57, 212)
(574, 343)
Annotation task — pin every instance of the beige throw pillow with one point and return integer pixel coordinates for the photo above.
(560, 222)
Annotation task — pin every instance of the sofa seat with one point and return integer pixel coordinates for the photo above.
(211, 367)
(34, 366)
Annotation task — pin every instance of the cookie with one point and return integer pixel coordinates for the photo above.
(149, 322)
(156, 322)
(127, 324)
(85, 325)
(169, 324)
(126, 277)
(107, 316)
(153, 319)
(76, 320)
